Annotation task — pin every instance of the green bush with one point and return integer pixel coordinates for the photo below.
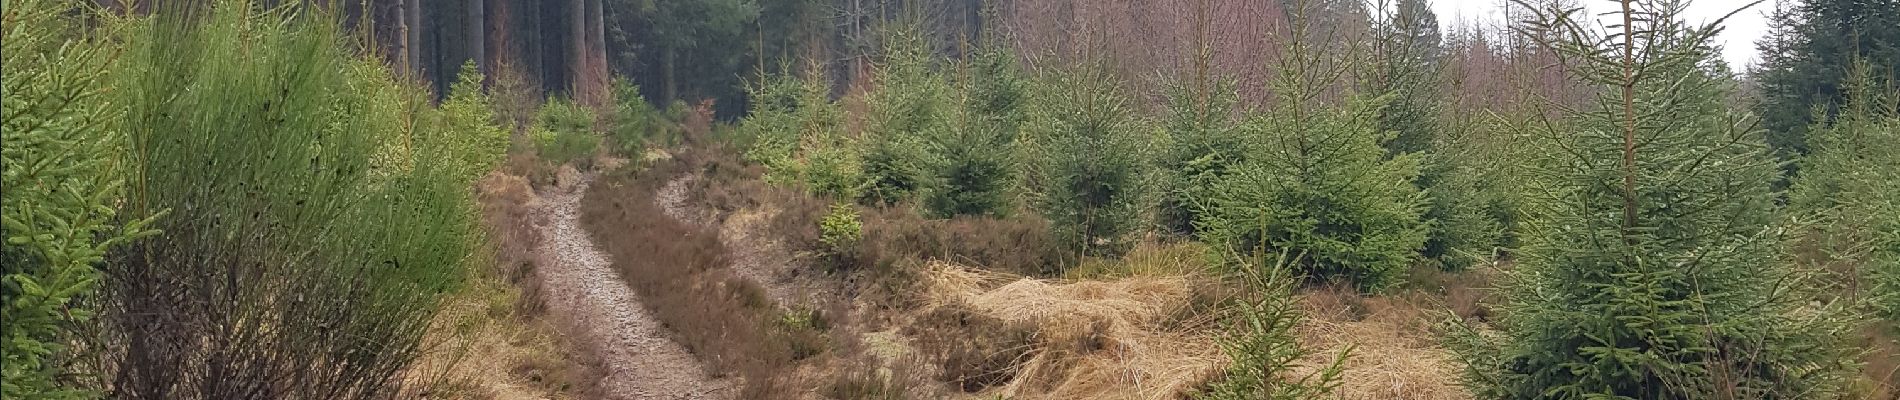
(59, 167)
(1315, 180)
(466, 137)
(309, 241)
(565, 133)
(909, 113)
(841, 230)
(1317, 183)
(1204, 144)
(973, 172)
(798, 136)
(635, 124)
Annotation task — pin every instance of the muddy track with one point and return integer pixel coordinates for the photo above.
(637, 357)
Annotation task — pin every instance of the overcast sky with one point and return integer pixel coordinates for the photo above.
(1737, 40)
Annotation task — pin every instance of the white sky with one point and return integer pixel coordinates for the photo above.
(1737, 39)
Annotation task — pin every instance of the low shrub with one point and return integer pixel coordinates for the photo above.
(840, 231)
(307, 224)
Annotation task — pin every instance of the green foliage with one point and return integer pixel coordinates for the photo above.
(1318, 183)
(1807, 62)
(841, 229)
(794, 125)
(1088, 160)
(1264, 349)
(1658, 277)
(566, 132)
(56, 216)
(467, 139)
(1409, 48)
(635, 124)
(1474, 186)
(1851, 180)
(973, 171)
(305, 228)
(1315, 180)
(910, 110)
(1204, 144)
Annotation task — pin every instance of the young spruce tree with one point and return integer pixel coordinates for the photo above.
(1851, 181)
(1316, 181)
(973, 173)
(1088, 159)
(1204, 140)
(1653, 271)
(909, 110)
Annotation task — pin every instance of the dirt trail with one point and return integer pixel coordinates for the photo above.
(639, 360)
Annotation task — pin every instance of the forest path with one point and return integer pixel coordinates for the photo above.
(637, 357)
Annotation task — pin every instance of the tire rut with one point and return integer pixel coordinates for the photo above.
(639, 360)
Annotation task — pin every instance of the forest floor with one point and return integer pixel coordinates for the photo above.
(639, 360)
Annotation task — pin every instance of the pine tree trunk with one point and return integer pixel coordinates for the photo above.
(477, 37)
(412, 18)
(596, 51)
(577, 47)
(401, 50)
(670, 84)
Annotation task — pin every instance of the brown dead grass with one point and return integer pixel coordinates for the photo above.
(489, 340)
(1394, 352)
(1019, 245)
(1091, 339)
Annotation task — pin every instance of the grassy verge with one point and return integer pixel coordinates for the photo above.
(491, 340)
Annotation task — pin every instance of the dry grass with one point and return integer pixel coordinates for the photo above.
(1147, 259)
(478, 347)
(1020, 245)
(1394, 353)
(488, 341)
(1090, 339)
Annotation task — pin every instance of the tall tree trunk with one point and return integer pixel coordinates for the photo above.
(477, 37)
(413, 34)
(401, 50)
(669, 83)
(596, 51)
(577, 47)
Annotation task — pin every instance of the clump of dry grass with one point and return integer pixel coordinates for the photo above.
(1020, 245)
(1394, 354)
(1091, 339)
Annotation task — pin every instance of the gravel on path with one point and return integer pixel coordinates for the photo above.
(639, 360)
